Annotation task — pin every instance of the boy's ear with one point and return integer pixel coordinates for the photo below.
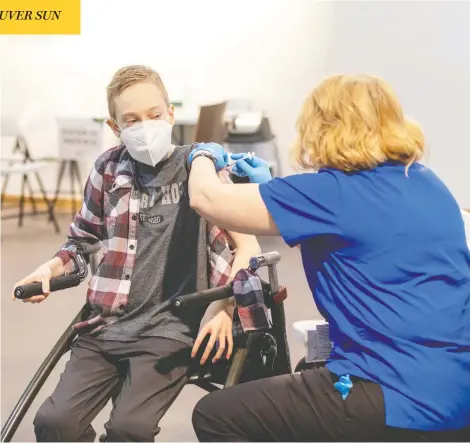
(114, 127)
(171, 114)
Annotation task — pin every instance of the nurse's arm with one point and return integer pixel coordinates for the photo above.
(237, 208)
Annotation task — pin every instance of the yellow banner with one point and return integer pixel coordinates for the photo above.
(30, 17)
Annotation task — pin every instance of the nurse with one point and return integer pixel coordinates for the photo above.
(384, 251)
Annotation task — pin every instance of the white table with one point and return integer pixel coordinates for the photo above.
(25, 169)
(21, 168)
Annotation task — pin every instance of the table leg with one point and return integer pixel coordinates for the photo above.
(72, 168)
(4, 187)
(31, 196)
(50, 205)
(63, 164)
(76, 169)
(77, 175)
(20, 218)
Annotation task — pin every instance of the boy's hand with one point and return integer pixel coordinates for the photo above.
(219, 328)
(43, 274)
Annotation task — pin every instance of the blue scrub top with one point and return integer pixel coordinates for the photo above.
(386, 258)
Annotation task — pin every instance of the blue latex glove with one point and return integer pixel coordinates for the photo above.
(344, 386)
(256, 169)
(215, 150)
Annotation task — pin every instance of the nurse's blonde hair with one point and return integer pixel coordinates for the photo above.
(352, 123)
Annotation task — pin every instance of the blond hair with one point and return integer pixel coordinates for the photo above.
(353, 123)
(128, 76)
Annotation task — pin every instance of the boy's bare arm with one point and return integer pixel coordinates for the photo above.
(218, 317)
(247, 246)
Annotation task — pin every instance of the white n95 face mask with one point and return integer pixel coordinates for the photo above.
(148, 142)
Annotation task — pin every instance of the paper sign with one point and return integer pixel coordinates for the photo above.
(318, 343)
(80, 138)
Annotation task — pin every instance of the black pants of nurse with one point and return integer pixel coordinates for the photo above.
(302, 407)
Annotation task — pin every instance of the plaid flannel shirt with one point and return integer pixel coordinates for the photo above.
(253, 315)
(110, 213)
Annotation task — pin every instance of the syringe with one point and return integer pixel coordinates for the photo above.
(245, 157)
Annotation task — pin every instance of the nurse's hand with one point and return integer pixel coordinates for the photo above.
(212, 150)
(256, 169)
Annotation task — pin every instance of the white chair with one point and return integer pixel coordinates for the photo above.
(24, 169)
(22, 162)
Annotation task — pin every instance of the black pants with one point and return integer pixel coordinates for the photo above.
(147, 376)
(302, 407)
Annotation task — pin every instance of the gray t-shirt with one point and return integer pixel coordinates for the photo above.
(166, 256)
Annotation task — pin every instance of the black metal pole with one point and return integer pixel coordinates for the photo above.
(238, 362)
(282, 363)
(28, 396)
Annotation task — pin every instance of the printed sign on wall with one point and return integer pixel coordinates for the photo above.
(80, 138)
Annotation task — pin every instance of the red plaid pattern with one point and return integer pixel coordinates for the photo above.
(110, 213)
(252, 312)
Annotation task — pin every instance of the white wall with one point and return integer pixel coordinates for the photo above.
(269, 50)
(273, 51)
(423, 49)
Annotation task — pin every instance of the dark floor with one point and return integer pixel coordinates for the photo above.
(28, 332)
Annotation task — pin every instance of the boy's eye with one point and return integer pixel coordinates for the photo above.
(156, 117)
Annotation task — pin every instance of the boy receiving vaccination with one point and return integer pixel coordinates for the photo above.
(155, 248)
